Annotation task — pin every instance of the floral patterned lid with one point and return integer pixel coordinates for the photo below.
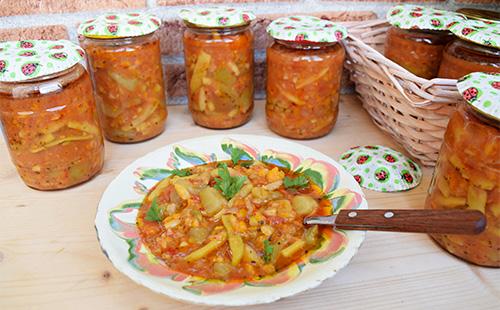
(485, 33)
(30, 59)
(408, 16)
(119, 25)
(216, 17)
(381, 168)
(482, 91)
(306, 29)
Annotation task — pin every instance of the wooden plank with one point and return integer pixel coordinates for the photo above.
(50, 258)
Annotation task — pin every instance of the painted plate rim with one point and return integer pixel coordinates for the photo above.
(102, 222)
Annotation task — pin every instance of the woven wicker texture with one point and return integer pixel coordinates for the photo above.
(413, 110)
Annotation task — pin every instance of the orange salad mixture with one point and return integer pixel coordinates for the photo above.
(418, 51)
(129, 86)
(303, 88)
(461, 58)
(219, 67)
(54, 139)
(467, 176)
(231, 221)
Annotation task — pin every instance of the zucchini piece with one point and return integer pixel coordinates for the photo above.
(84, 126)
(449, 202)
(128, 84)
(251, 256)
(476, 198)
(207, 248)
(199, 71)
(235, 241)
(444, 187)
(312, 79)
(224, 76)
(211, 200)
(60, 141)
(293, 248)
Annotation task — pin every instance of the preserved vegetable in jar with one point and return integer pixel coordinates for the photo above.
(468, 52)
(218, 53)
(418, 51)
(467, 175)
(127, 73)
(418, 37)
(303, 77)
(48, 114)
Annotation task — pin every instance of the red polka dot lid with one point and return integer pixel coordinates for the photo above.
(409, 16)
(482, 91)
(306, 29)
(119, 25)
(216, 17)
(30, 59)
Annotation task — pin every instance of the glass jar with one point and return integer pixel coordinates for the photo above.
(303, 88)
(52, 129)
(219, 68)
(129, 86)
(418, 51)
(467, 175)
(461, 57)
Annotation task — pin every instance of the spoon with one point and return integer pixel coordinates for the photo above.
(461, 222)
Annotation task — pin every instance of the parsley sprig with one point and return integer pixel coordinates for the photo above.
(155, 213)
(270, 251)
(180, 172)
(237, 155)
(226, 184)
(297, 182)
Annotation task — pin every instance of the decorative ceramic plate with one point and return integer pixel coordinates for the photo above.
(119, 238)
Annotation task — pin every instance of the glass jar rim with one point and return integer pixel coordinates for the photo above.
(305, 45)
(33, 86)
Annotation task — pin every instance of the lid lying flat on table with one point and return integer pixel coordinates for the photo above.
(482, 91)
(217, 17)
(119, 25)
(408, 16)
(30, 59)
(381, 168)
(479, 32)
(306, 29)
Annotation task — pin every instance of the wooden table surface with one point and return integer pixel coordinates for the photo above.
(50, 257)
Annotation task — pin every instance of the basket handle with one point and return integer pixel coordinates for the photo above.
(391, 77)
(402, 91)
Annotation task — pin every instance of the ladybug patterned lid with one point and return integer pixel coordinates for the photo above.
(119, 25)
(380, 168)
(29, 59)
(306, 29)
(408, 16)
(485, 33)
(482, 92)
(216, 17)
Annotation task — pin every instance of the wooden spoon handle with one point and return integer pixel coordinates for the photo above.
(421, 221)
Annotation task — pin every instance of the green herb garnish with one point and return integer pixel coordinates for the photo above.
(269, 251)
(226, 184)
(155, 213)
(237, 155)
(299, 182)
(180, 172)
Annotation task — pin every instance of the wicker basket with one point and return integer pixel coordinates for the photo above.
(414, 110)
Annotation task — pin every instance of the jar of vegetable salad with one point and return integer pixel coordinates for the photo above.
(475, 49)
(48, 113)
(417, 38)
(125, 62)
(218, 54)
(467, 175)
(304, 68)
